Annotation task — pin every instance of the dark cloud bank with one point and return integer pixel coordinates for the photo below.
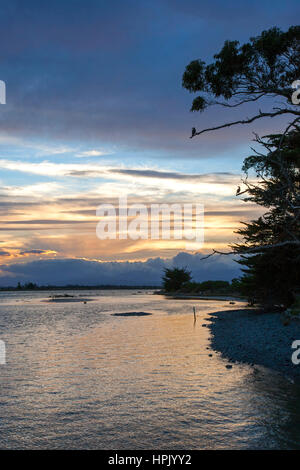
(77, 271)
(111, 71)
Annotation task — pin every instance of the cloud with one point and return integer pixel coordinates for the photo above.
(36, 190)
(89, 80)
(4, 253)
(92, 153)
(44, 222)
(217, 177)
(102, 76)
(37, 146)
(117, 180)
(85, 272)
(37, 252)
(226, 11)
(89, 170)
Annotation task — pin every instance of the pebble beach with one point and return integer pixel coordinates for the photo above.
(255, 338)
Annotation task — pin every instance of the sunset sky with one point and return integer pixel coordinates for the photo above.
(95, 109)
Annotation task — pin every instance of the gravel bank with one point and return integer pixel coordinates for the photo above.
(256, 338)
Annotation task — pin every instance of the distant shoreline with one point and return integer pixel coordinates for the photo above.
(207, 297)
(255, 338)
(70, 287)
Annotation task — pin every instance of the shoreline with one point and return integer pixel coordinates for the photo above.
(255, 338)
(207, 297)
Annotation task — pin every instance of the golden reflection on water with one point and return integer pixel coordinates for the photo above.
(78, 377)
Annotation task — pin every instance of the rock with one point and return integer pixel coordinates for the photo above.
(131, 314)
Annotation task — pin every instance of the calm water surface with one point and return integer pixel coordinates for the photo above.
(78, 377)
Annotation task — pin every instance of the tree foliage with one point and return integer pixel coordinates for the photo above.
(266, 66)
(273, 270)
(174, 279)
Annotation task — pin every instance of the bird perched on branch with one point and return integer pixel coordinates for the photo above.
(238, 191)
(193, 132)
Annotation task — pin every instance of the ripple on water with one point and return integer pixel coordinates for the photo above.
(78, 377)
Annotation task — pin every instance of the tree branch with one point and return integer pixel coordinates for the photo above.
(235, 105)
(248, 121)
(252, 250)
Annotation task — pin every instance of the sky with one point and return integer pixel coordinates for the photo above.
(94, 110)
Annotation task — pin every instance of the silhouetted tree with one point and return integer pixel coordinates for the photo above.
(30, 285)
(174, 279)
(266, 66)
(273, 270)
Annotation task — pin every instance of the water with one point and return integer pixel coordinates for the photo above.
(78, 377)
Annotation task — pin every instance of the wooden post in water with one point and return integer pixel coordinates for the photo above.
(194, 310)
